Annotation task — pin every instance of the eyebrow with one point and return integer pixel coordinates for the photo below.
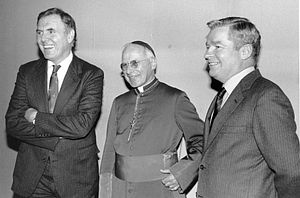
(49, 29)
(215, 43)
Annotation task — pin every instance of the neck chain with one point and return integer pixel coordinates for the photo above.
(134, 119)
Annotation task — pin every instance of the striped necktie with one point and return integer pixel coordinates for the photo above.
(218, 103)
(53, 88)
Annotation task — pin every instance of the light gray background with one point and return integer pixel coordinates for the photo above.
(176, 29)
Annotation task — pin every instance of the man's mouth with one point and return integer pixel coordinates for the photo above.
(48, 46)
(212, 64)
(132, 77)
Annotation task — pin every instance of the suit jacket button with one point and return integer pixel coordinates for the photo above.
(202, 167)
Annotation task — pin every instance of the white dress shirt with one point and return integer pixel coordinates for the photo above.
(234, 81)
(61, 73)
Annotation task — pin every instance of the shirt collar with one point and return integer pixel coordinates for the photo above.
(63, 64)
(234, 80)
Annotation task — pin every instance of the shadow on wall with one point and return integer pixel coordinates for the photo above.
(215, 84)
(13, 143)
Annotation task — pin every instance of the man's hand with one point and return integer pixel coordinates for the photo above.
(170, 181)
(30, 114)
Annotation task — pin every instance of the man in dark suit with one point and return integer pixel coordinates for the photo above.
(58, 153)
(251, 148)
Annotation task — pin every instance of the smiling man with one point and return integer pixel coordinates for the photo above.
(251, 148)
(53, 111)
(145, 127)
(55, 38)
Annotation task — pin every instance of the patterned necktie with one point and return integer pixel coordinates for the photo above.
(53, 88)
(218, 103)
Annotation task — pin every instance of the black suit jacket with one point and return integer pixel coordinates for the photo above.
(66, 137)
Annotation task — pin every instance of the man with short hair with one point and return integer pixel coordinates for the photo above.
(251, 148)
(53, 111)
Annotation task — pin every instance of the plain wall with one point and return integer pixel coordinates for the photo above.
(176, 29)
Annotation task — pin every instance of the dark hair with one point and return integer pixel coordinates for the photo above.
(241, 32)
(146, 45)
(65, 17)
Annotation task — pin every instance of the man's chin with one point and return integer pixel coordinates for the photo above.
(134, 84)
(48, 56)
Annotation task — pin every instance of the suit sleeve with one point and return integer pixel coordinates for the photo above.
(275, 133)
(16, 124)
(75, 122)
(78, 117)
(186, 170)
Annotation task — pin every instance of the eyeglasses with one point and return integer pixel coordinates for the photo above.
(134, 64)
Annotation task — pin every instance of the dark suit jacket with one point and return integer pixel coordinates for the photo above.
(67, 136)
(252, 150)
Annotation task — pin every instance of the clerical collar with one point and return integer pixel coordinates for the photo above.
(146, 87)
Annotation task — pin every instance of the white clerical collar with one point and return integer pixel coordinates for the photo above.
(144, 87)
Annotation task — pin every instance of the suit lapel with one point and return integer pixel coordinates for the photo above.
(69, 84)
(40, 86)
(207, 121)
(229, 107)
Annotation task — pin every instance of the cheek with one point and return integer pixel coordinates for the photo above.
(226, 59)
(222, 55)
(39, 39)
(126, 78)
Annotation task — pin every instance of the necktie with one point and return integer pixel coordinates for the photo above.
(218, 103)
(53, 88)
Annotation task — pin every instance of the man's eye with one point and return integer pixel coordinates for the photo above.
(134, 64)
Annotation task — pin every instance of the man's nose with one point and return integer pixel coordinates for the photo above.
(44, 37)
(208, 54)
(129, 69)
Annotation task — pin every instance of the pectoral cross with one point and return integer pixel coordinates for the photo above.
(132, 123)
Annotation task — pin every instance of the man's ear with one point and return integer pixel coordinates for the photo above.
(246, 51)
(71, 35)
(153, 63)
